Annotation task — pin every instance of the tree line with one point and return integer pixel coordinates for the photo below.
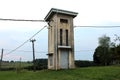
(107, 52)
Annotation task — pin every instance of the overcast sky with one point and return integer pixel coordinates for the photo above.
(91, 13)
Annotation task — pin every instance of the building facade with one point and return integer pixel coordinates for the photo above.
(60, 39)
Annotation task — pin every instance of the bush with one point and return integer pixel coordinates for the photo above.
(79, 63)
(7, 69)
(39, 64)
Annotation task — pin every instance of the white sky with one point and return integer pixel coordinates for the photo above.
(91, 12)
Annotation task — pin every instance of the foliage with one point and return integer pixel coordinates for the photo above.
(102, 54)
(79, 63)
(107, 52)
(116, 54)
(104, 41)
(39, 64)
(18, 66)
(89, 73)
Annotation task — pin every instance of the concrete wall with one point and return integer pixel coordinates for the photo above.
(54, 40)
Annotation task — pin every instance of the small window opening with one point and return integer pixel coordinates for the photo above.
(63, 20)
(51, 60)
(61, 36)
(66, 37)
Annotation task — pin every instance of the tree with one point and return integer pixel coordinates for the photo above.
(102, 52)
(102, 56)
(116, 56)
(97, 55)
(104, 41)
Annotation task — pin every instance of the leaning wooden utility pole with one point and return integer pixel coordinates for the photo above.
(34, 65)
(1, 59)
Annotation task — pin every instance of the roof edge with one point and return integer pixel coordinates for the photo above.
(55, 10)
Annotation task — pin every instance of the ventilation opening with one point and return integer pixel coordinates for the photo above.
(63, 20)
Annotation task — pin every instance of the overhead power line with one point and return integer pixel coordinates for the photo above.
(26, 51)
(103, 26)
(87, 50)
(99, 26)
(2, 19)
(25, 41)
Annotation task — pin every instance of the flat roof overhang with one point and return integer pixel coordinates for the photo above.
(59, 11)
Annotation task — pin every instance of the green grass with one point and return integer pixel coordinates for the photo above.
(90, 73)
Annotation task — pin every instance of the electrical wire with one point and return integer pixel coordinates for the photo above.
(2, 19)
(25, 41)
(74, 27)
(27, 51)
(85, 50)
(98, 26)
(46, 51)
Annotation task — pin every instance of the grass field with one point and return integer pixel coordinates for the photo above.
(89, 73)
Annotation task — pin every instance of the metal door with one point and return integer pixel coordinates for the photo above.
(64, 59)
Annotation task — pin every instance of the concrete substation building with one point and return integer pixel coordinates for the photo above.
(60, 39)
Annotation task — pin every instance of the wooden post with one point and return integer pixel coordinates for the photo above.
(1, 59)
(34, 65)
